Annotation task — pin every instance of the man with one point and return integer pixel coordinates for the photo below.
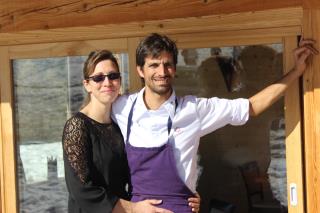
(162, 131)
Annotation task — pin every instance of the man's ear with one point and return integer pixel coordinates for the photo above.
(140, 71)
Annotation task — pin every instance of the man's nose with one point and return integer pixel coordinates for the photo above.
(163, 69)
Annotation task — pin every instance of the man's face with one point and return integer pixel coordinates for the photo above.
(158, 73)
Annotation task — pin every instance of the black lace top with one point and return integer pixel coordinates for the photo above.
(96, 168)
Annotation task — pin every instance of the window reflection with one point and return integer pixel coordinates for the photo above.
(233, 72)
(47, 92)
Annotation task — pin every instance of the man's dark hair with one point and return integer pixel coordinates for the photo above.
(153, 45)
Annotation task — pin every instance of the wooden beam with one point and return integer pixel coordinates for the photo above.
(17, 15)
(66, 48)
(311, 4)
(294, 154)
(279, 18)
(135, 83)
(311, 81)
(2, 186)
(7, 132)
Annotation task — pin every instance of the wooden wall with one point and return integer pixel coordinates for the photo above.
(19, 15)
(311, 29)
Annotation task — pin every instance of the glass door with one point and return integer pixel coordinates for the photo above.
(47, 92)
(224, 155)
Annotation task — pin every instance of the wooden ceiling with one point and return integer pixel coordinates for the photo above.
(21, 15)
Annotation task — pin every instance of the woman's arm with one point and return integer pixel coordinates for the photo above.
(79, 171)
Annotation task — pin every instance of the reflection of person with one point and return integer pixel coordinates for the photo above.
(162, 131)
(96, 168)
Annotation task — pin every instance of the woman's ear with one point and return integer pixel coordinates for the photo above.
(86, 85)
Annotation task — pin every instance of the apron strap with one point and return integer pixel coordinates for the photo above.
(129, 123)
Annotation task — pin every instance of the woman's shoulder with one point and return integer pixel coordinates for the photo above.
(76, 121)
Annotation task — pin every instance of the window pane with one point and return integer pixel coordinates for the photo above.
(47, 92)
(233, 72)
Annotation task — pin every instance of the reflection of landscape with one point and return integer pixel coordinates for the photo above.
(42, 90)
(47, 92)
(43, 187)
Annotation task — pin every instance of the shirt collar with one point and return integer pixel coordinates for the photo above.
(169, 105)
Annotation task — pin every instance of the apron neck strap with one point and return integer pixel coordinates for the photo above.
(129, 123)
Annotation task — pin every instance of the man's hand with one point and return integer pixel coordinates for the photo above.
(301, 54)
(194, 203)
(148, 206)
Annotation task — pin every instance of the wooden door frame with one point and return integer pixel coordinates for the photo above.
(262, 27)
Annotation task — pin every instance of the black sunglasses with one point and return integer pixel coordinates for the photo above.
(101, 77)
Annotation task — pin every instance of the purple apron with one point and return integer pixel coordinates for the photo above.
(154, 174)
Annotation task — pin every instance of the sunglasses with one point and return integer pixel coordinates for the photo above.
(101, 77)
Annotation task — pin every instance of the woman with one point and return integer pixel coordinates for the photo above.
(96, 168)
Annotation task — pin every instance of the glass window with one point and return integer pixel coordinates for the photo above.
(47, 92)
(237, 72)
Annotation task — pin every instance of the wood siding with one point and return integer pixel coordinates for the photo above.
(280, 21)
(17, 15)
(311, 29)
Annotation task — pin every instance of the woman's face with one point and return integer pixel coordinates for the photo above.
(104, 83)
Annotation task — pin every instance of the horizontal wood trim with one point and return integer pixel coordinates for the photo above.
(66, 48)
(17, 15)
(7, 133)
(234, 38)
(279, 18)
(311, 4)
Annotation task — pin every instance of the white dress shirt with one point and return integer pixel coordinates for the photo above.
(193, 118)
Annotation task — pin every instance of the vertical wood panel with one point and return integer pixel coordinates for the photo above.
(311, 29)
(1, 165)
(294, 158)
(134, 78)
(7, 133)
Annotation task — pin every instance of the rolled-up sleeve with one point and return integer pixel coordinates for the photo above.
(215, 113)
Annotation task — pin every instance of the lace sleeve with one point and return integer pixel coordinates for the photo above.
(75, 146)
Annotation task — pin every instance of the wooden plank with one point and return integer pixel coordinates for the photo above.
(294, 158)
(135, 83)
(17, 15)
(311, 4)
(7, 133)
(66, 48)
(1, 167)
(234, 38)
(279, 18)
(311, 82)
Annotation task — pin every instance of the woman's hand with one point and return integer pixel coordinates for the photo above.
(194, 203)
